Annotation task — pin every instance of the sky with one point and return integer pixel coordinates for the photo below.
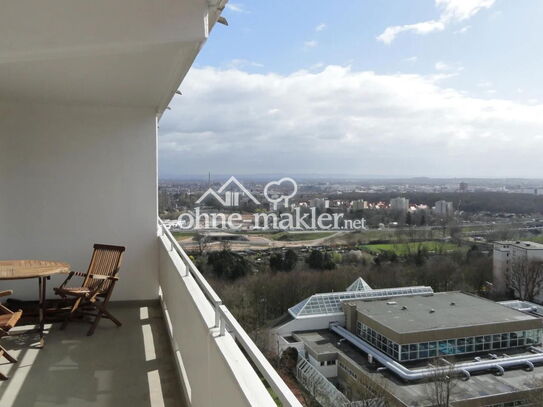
(387, 88)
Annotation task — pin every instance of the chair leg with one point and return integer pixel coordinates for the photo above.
(108, 315)
(102, 312)
(71, 314)
(95, 322)
(5, 354)
(3, 377)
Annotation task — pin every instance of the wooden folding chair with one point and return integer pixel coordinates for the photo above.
(97, 287)
(8, 319)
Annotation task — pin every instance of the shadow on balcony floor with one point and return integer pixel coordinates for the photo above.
(128, 366)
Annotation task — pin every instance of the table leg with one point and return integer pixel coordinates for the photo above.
(42, 308)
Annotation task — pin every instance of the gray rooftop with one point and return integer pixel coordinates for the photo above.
(433, 312)
(522, 244)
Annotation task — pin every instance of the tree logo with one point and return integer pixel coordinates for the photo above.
(281, 198)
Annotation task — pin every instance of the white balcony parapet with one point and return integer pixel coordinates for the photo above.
(217, 360)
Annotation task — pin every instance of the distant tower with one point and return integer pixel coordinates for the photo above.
(463, 187)
(209, 179)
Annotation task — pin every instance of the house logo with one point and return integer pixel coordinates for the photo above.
(226, 197)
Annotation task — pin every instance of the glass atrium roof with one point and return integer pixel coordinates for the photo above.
(330, 303)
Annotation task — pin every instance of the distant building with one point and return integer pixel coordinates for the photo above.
(531, 191)
(443, 208)
(359, 205)
(399, 204)
(319, 203)
(463, 187)
(506, 253)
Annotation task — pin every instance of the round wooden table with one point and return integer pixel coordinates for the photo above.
(40, 269)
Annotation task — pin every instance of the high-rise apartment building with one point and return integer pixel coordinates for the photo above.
(399, 204)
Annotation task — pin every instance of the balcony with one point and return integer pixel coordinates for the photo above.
(79, 109)
(184, 349)
(132, 365)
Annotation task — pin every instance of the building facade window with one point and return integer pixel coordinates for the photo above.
(456, 346)
(511, 404)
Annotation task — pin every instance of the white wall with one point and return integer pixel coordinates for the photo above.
(72, 176)
(328, 371)
(500, 265)
(212, 368)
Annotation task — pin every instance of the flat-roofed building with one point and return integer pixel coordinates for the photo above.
(507, 254)
(452, 323)
(443, 208)
(394, 348)
(360, 378)
(399, 204)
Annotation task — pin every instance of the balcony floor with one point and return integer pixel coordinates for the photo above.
(128, 366)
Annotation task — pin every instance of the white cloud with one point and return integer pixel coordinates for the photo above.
(463, 30)
(311, 44)
(485, 84)
(442, 66)
(342, 121)
(460, 10)
(240, 63)
(320, 27)
(452, 11)
(411, 59)
(420, 28)
(452, 69)
(236, 7)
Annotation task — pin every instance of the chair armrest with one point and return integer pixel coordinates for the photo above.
(102, 277)
(69, 277)
(5, 293)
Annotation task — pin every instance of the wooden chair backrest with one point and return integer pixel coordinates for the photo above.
(106, 261)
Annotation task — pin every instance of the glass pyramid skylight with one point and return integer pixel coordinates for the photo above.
(359, 285)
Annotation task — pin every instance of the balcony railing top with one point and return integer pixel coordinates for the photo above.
(228, 325)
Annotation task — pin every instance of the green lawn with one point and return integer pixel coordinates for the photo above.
(404, 248)
(536, 239)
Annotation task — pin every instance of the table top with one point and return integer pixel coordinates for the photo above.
(20, 269)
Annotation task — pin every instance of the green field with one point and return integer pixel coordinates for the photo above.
(536, 239)
(412, 247)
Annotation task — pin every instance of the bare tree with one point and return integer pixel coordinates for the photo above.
(202, 241)
(226, 245)
(442, 383)
(525, 278)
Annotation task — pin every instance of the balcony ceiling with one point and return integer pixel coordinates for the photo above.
(122, 52)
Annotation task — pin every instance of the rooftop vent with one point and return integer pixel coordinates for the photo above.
(392, 303)
(453, 304)
(404, 307)
(432, 311)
